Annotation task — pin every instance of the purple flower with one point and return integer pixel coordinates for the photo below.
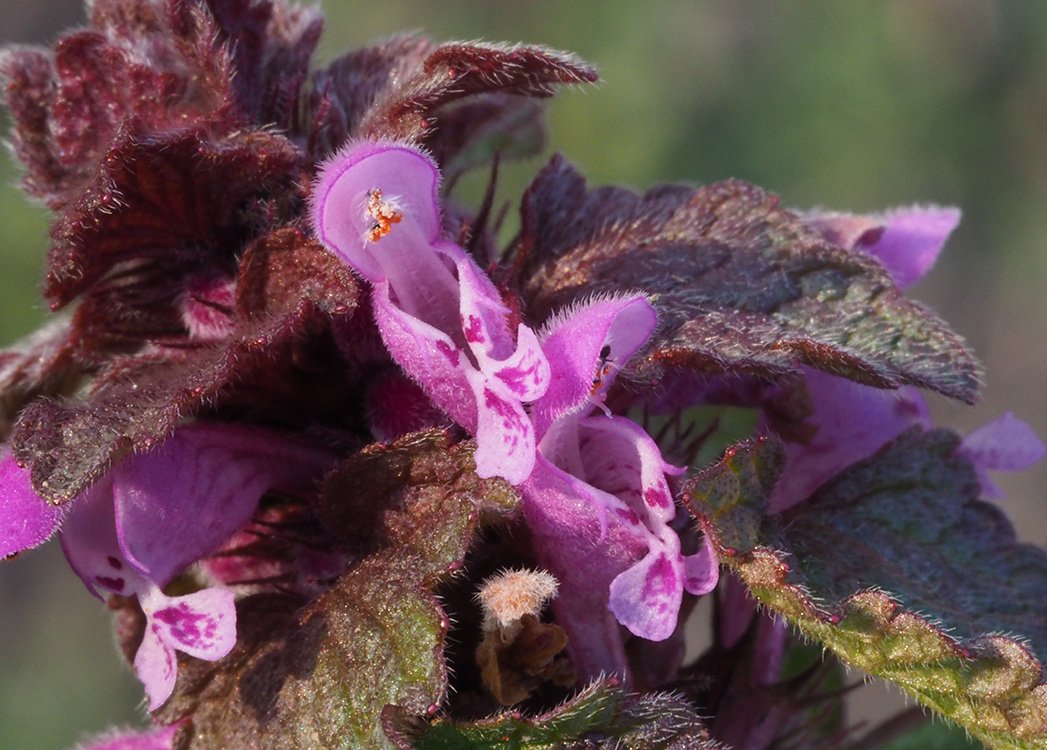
(376, 207)
(906, 240)
(156, 513)
(1004, 444)
(26, 521)
(598, 502)
(852, 421)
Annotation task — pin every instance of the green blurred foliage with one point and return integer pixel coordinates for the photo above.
(851, 105)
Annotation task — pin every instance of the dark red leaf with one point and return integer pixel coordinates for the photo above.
(41, 364)
(291, 289)
(179, 201)
(270, 45)
(154, 63)
(455, 71)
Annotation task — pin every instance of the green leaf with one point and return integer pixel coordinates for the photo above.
(930, 736)
(316, 675)
(898, 568)
(742, 286)
(603, 715)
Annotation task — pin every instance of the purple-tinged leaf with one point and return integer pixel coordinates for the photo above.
(173, 202)
(741, 285)
(152, 63)
(601, 716)
(289, 289)
(473, 133)
(270, 44)
(318, 674)
(454, 71)
(347, 89)
(898, 568)
(41, 364)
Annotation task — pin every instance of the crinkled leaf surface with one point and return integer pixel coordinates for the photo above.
(153, 63)
(601, 716)
(179, 200)
(901, 570)
(741, 286)
(288, 287)
(317, 675)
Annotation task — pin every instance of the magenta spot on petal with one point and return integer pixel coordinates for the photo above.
(516, 378)
(114, 563)
(628, 516)
(116, 585)
(511, 420)
(656, 498)
(473, 329)
(188, 627)
(448, 351)
(660, 582)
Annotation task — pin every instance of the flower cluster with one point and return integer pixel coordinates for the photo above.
(350, 477)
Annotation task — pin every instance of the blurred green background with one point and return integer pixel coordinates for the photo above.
(855, 106)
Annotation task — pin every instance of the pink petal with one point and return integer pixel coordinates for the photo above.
(160, 738)
(573, 341)
(429, 356)
(90, 544)
(201, 624)
(701, 571)
(340, 198)
(622, 459)
(584, 538)
(180, 501)
(156, 666)
(26, 519)
(504, 434)
(853, 421)
(906, 240)
(525, 372)
(207, 307)
(646, 597)
(912, 240)
(1005, 444)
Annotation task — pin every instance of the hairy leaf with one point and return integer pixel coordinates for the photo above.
(318, 675)
(898, 568)
(41, 364)
(342, 93)
(454, 71)
(151, 63)
(289, 288)
(601, 716)
(178, 201)
(741, 285)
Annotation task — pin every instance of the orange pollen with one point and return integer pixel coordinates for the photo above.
(384, 215)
